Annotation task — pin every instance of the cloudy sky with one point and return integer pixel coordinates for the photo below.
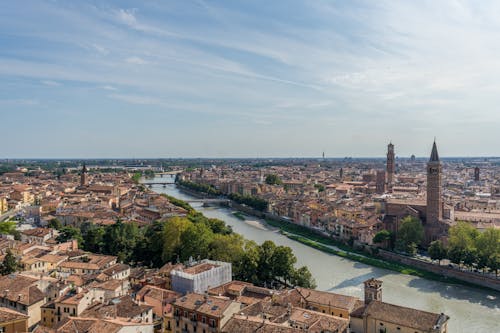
(253, 78)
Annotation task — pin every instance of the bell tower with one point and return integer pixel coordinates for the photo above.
(83, 176)
(390, 167)
(434, 188)
(373, 290)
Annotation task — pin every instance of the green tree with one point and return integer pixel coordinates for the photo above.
(171, 237)
(410, 235)
(121, 239)
(487, 245)
(437, 251)
(55, 224)
(9, 264)
(302, 277)
(247, 268)
(273, 179)
(383, 237)
(195, 241)
(67, 233)
(7, 227)
(93, 237)
(462, 243)
(227, 248)
(265, 271)
(283, 261)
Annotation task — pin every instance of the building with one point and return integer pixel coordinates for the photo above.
(13, 321)
(21, 293)
(202, 313)
(376, 316)
(476, 174)
(199, 277)
(390, 167)
(434, 209)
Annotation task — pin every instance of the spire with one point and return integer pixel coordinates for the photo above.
(434, 153)
(84, 168)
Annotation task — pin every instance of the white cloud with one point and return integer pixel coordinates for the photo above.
(127, 16)
(137, 99)
(136, 61)
(50, 83)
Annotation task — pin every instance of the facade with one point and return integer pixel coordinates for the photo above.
(390, 167)
(198, 278)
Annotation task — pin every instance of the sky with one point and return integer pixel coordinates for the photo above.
(283, 78)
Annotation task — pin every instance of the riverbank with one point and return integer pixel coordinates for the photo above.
(328, 245)
(364, 253)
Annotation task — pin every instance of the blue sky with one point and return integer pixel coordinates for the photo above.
(248, 78)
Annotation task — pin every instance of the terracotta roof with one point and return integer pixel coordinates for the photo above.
(326, 298)
(211, 306)
(242, 324)
(7, 315)
(21, 289)
(403, 316)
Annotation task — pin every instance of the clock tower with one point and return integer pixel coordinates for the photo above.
(434, 189)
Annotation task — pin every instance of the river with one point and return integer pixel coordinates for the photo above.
(470, 309)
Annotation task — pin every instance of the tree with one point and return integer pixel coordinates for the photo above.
(487, 245)
(410, 235)
(273, 179)
(227, 248)
(265, 271)
(55, 224)
(195, 241)
(462, 243)
(383, 237)
(67, 233)
(9, 264)
(93, 237)
(171, 237)
(283, 261)
(7, 227)
(302, 277)
(246, 269)
(437, 251)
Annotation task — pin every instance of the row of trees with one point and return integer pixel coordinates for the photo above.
(204, 188)
(469, 247)
(466, 245)
(196, 236)
(249, 200)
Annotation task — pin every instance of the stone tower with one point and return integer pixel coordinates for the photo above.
(390, 167)
(476, 174)
(434, 189)
(83, 176)
(373, 290)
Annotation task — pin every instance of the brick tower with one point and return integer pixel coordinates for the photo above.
(83, 176)
(434, 192)
(390, 167)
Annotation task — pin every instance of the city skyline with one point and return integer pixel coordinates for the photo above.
(230, 79)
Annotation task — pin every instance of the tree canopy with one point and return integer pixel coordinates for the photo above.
(196, 236)
(410, 235)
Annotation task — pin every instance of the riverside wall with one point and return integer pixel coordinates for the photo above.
(470, 277)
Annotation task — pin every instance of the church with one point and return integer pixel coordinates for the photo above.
(436, 217)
